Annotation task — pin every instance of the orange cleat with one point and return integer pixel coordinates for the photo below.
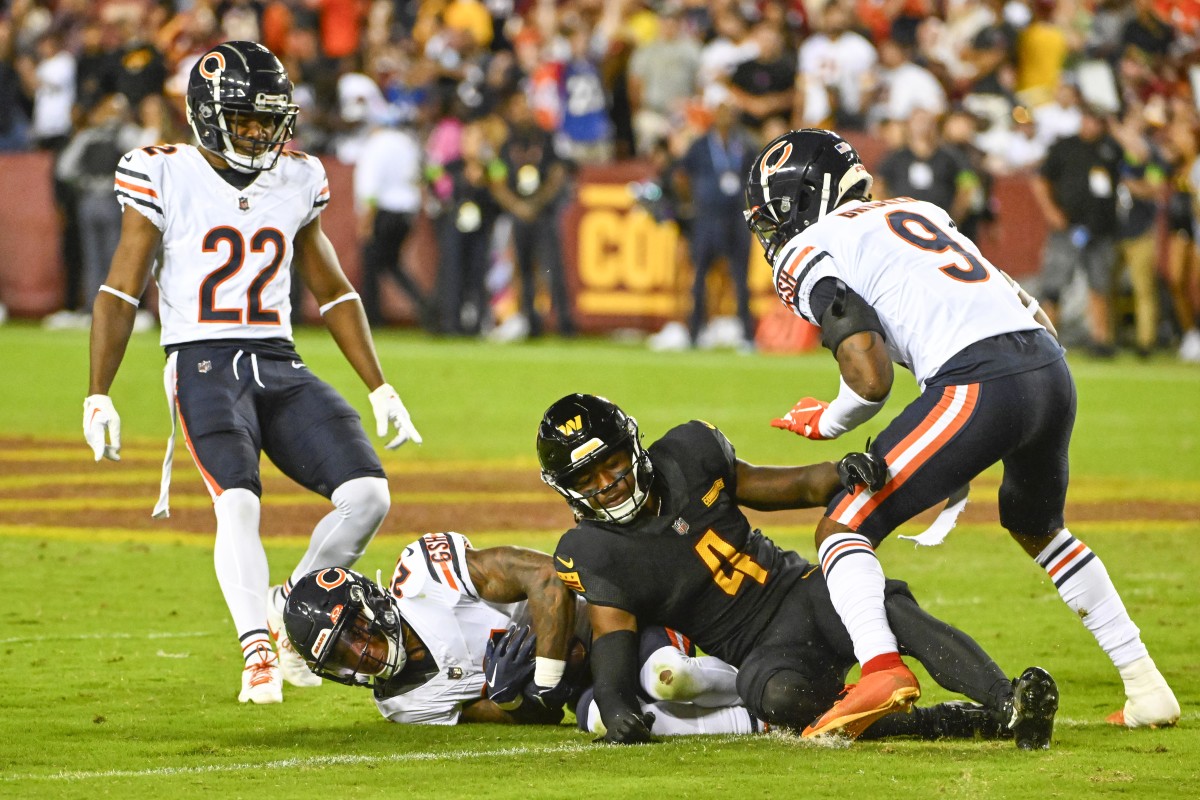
(874, 696)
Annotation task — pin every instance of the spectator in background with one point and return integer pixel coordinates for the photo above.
(140, 71)
(585, 130)
(729, 47)
(1042, 51)
(1013, 148)
(1182, 255)
(1059, 118)
(902, 87)
(96, 66)
(87, 165)
(960, 131)
(530, 187)
(662, 79)
(764, 86)
(387, 197)
(1147, 33)
(835, 63)
(50, 79)
(467, 215)
(1143, 178)
(1076, 190)
(711, 175)
(926, 169)
(15, 106)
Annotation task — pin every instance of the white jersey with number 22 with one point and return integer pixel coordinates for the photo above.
(224, 269)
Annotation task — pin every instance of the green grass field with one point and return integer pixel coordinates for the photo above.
(119, 665)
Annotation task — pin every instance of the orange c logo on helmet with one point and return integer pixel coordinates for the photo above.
(327, 583)
(212, 64)
(772, 168)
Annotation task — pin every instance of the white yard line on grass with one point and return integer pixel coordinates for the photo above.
(78, 637)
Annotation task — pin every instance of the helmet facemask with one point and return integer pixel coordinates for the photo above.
(246, 153)
(595, 451)
(364, 647)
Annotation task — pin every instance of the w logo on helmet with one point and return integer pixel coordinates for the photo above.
(769, 167)
(571, 426)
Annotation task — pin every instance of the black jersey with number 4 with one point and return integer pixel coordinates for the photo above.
(695, 566)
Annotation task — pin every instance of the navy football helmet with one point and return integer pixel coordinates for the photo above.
(581, 430)
(230, 86)
(345, 627)
(796, 180)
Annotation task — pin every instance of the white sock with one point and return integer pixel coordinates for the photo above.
(256, 647)
(342, 536)
(680, 719)
(240, 560)
(706, 681)
(1085, 587)
(855, 580)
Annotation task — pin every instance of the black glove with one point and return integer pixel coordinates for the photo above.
(508, 664)
(550, 696)
(630, 728)
(862, 469)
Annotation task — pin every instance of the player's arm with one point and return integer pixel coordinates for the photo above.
(317, 264)
(852, 331)
(777, 488)
(511, 574)
(615, 675)
(1030, 302)
(484, 710)
(112, 322)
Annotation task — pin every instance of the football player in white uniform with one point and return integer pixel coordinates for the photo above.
(894, 281)
(224, 225)
(488, 635)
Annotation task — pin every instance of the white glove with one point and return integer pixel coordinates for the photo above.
(390, 410)
(99, 416)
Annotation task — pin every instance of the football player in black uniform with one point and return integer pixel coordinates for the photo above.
(660, 540)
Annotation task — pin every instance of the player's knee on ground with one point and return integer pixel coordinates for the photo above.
(670, 675)
(788, 700)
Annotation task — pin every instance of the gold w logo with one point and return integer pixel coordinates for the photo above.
(571, 426)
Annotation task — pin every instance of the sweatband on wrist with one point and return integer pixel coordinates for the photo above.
(335, 301)
(848, 410)
(1033, 307)
(548, 671)
(133, 301)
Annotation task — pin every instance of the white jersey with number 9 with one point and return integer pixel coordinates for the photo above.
(933, 290)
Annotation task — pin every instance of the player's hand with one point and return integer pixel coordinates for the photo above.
(862, 469)
(630, 728)
(804, 418)
(550, 697)
(508, 666)
(99, 418)
(389, 410)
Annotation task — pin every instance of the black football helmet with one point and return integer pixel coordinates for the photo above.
(580, 430)
(796, 180)
(230, 81)
(346, 628)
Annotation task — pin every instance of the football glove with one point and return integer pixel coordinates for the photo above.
(389, 410)
(804, 418)
(99, 417)
(630, 728)
(549, 696)
(508, 666)
(862, 469)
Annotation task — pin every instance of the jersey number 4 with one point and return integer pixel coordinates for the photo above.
(729, 567)
(255, 313)
(920, 231)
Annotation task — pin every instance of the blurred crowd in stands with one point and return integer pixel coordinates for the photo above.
(500, 101)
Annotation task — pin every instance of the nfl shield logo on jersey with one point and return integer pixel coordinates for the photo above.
(681, 527)
(204, 366)
(243, 204)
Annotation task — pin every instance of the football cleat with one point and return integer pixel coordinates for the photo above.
(873, 697)
(1149, 703)
(962, 719)
(291, 664)
(262, 681)
(1034, 704)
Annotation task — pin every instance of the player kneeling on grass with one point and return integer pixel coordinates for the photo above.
(660, 540)
(490, 635)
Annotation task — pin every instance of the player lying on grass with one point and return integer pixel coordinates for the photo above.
(660, 540)
(455, 640)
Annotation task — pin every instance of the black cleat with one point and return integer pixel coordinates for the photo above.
(1034, 704)
(960, 719)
